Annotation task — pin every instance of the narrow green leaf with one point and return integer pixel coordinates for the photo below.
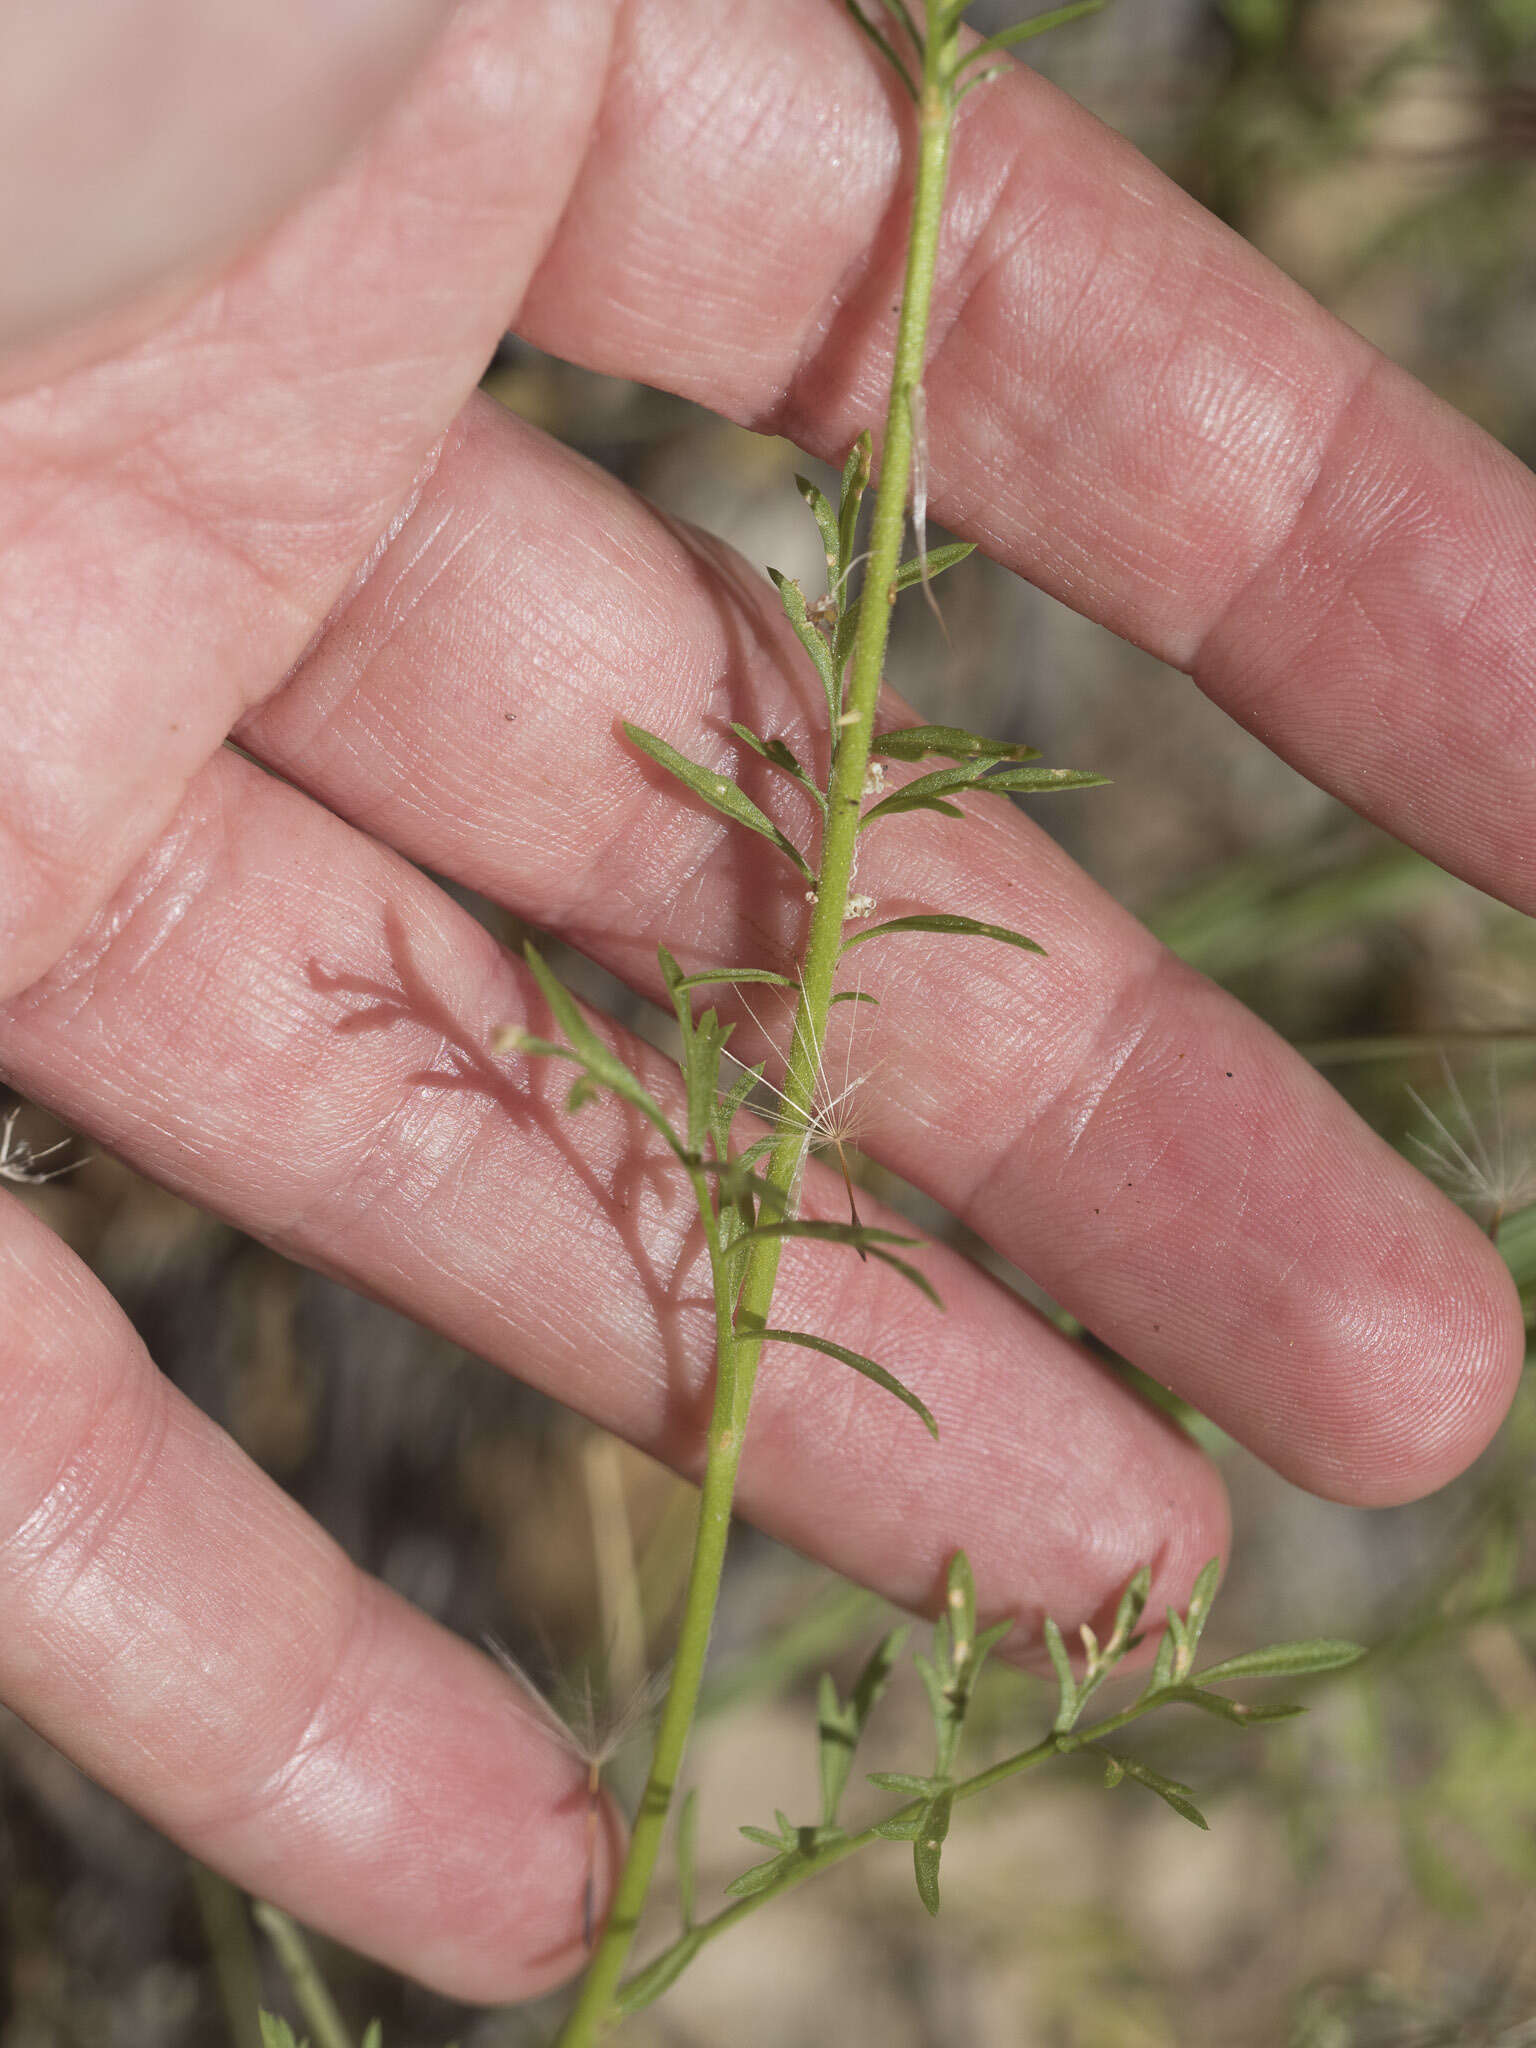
(836, 1737)
(687, 1855)
(778, 755)
(763, 1837)
(989, 1638)
(905, 1782)
(373, 2034)
(648, 1984)
(940, 1705)
(826, 519)
(729, 1107)
(792, 597)
(1287, 1660)
(840, 1725)
(276, 2033)
(902, 14)
(855, 995)
(942, 921)
(718, 791)
(876, 1675)
(858, 1238)
(1202, 1594)
(928, 1846)
(1067, 1710)
(860, 1364)
(1169, 1790)
(761, 1875)
(1233, 1710)
(1025, 31)
(859, 1235)
(1133, 1603)
(960, 1608)
(886, 48)
(904, 1827)
(1162, 1664)
(710, 977)
(855, 481)
(603, 1064)
(951, 742)
(939, 559)
(701, 1049)
(979, 778)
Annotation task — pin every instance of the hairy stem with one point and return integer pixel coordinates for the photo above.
(737, 1357)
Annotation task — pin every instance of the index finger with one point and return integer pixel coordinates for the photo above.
(1126, 403)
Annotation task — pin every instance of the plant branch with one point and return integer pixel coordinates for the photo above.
(737, 1355)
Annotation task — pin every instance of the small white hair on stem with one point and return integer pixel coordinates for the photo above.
(837, 1110)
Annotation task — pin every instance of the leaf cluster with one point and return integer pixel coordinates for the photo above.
(826, 628)
(740, 1206)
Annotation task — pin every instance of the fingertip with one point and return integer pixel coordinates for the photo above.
(1425, 1398)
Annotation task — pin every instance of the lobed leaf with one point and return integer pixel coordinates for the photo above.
(718, 791)
(943, 921)
(860, 1364)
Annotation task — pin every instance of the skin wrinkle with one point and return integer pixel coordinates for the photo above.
(60, 1541)
(1201, 634)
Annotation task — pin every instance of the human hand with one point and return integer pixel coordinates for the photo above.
(279, 511)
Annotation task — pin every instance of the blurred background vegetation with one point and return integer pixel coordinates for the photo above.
(1371, 1874)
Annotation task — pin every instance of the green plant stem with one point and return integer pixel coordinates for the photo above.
(836, 1851)
(226, 1923)
(737, 1357)
(321, 2016)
